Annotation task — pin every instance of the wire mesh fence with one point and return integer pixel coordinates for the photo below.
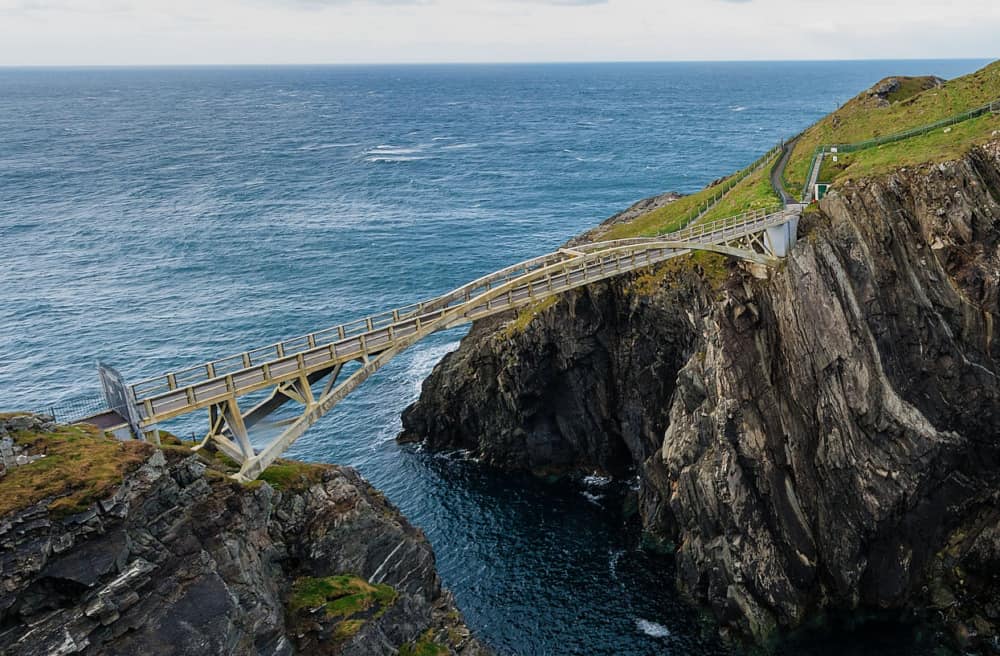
(993, 107)
(67, 412)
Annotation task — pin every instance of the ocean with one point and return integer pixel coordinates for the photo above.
(156, 218)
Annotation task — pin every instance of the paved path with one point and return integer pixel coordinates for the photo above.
(778, 172)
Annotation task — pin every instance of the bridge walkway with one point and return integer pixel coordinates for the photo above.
(291, 368)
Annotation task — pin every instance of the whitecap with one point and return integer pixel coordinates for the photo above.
(327, 146)
(394, 158)
(461, 146)
(592, 498)
(423, 362)
(597, 481)
(738, 108)
(615, 556)
(393, 150)
(652, 628)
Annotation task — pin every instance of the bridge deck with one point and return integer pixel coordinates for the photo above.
(180, 392)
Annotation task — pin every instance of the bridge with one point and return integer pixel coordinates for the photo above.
(317, 371)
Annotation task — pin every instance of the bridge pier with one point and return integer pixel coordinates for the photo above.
(781, 238)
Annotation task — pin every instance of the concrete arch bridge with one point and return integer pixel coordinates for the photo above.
(309, 371)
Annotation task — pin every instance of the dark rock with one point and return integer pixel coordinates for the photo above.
(180, 563)
(809, 442)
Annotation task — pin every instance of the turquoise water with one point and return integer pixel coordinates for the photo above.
(157, 218)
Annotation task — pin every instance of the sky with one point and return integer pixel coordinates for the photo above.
(184, 32)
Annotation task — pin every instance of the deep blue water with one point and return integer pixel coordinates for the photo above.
(156, 218)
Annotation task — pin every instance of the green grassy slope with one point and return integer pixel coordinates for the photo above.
(910, 103)
(864, 118)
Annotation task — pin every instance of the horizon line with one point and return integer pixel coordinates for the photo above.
(483, 63)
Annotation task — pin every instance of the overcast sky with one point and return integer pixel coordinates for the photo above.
(136, 32)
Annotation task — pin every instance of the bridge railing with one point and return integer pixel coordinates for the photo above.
(727, 185)
(165, 383)
(240, 361)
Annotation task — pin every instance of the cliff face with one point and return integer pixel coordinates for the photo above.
(828, 438)
(182, 560)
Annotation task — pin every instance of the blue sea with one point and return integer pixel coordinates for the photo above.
(155, 218)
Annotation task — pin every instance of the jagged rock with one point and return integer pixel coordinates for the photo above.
(181, 560)
(809, 442)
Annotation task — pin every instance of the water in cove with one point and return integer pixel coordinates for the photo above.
(156, 218)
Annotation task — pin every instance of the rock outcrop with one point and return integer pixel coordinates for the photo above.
(825, 439)
(180, 559)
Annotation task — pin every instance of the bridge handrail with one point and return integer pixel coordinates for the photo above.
(228, 383)
(166, 383)
(291, 346)
(825, 149)
(729, 183)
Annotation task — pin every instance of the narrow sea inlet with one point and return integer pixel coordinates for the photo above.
(158, 218)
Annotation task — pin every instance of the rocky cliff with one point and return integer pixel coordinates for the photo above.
(828, 438)
(111, 548)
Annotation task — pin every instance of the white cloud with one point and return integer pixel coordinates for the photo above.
(339, 31)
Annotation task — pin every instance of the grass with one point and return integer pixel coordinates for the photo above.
(859, 119)
(292, 475)
(349, 600)
(424, 646)
(668, 218)
(938, 146)
(528, 314)
(342, 596)
(650, 280)
(754, 193)
(81, 466)
(911, 105)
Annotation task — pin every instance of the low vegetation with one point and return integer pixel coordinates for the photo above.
(424, 646)
(754, 193)
(903, 104)
(527, 314)
(81, 466)
(342, 596)
(938, 146)
(291, 475)
(347, 600)
(909, 106)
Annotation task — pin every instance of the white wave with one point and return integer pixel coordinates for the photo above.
(592, 498)
(597, 481)
(395, 158)
(327, 146)
(392, 150)
(615, 556)
(461, 146)
(652, 628)
(423, 362)
(738, 108)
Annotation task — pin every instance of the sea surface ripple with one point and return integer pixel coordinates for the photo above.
(154, 218)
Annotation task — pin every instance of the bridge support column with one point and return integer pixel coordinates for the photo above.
(781, 238)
